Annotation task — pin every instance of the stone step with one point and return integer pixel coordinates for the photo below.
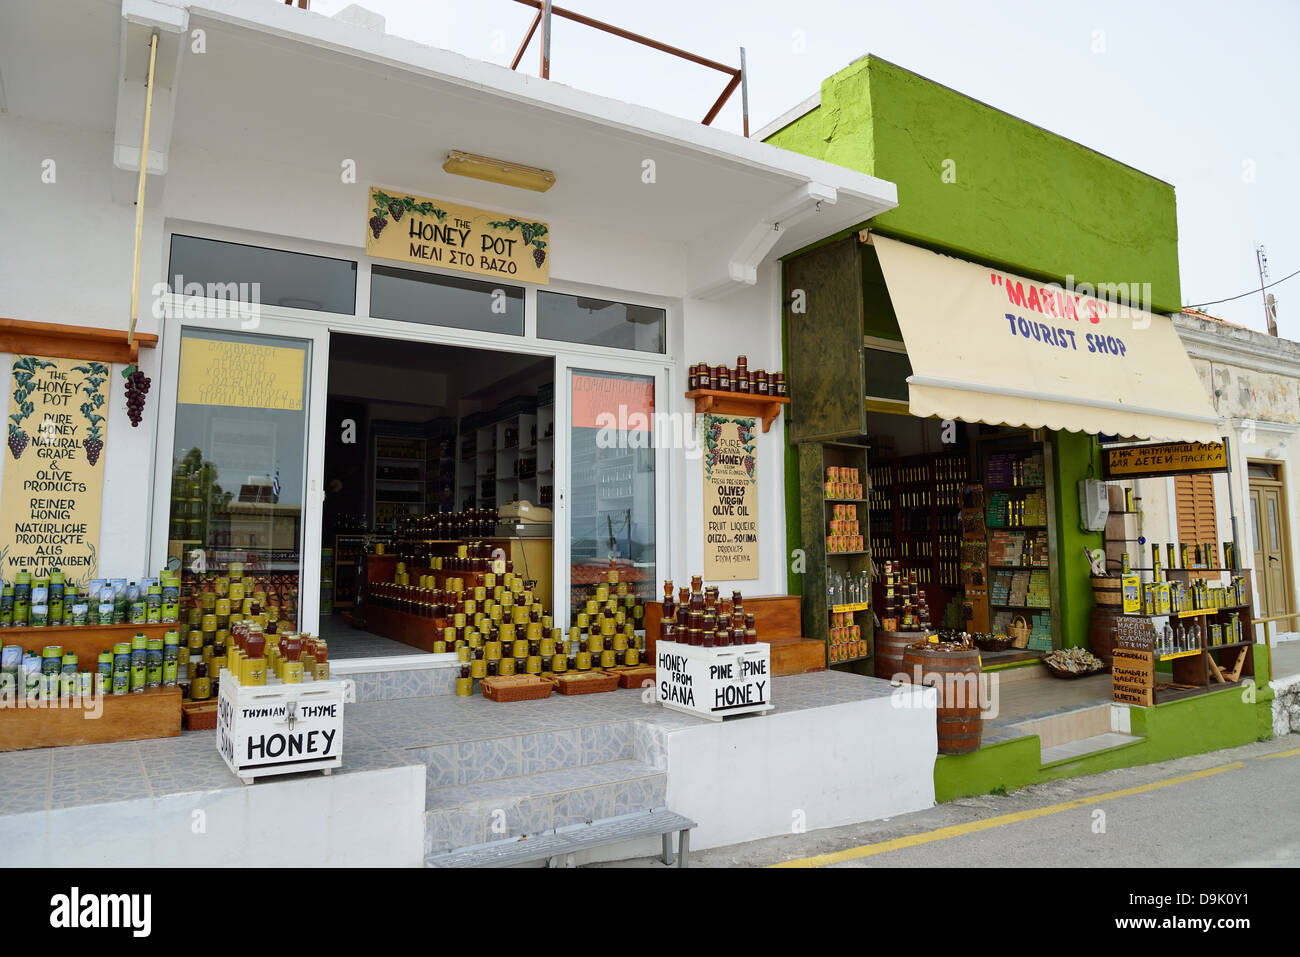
(1070, 724)
(1084, 746)
(499, 755)
(506, 808)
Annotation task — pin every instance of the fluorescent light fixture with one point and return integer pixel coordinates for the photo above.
(499, 171)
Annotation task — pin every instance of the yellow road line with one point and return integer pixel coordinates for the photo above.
(972, 827)
(1280, 754)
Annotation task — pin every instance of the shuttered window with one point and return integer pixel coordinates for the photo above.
(1194, 501)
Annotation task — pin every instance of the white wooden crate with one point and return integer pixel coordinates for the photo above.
(714, 683)
(280, 728)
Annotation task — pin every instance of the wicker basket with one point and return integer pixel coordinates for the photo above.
(584, 682)
(1019, 631)
(1062, 673)
(633, 676)
(516, 688)
(993, 643)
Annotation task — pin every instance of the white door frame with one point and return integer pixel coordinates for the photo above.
(317, 335)
(565, 366)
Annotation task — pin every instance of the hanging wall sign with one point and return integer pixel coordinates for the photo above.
(246, 375)
(54, 467)
(1169, 458)
(414, 229)
(730, 498)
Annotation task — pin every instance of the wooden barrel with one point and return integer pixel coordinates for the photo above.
(1108, 592)
(890, 646)
(1101, 632)
(955, 676)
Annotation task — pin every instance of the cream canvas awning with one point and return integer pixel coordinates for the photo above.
(989, 346)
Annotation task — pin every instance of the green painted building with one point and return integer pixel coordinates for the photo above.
(980, 185)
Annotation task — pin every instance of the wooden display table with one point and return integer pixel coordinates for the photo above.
(414, 630)
(778, 619)
(155, 713)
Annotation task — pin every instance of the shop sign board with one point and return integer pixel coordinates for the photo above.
(1136, 634)
(244, 375)
(730, 498)
(1167, 458)
(1132, 676)
(618, 403)
(279, 728)
(714, 682)
(431, 232)
(54, 467)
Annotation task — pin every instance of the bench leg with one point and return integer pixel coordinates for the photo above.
(683, 847)
(668, 847)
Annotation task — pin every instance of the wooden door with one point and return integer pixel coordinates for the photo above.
(1268, 523)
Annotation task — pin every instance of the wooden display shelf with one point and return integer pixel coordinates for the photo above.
(61, 341)
(414, 630)
(767, 407)
(155, 713)
(84, 641)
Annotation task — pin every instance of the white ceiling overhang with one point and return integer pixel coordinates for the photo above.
(308, 90)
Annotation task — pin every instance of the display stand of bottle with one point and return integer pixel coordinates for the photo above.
(1019, 565)
(1199, 616)
(836, 530)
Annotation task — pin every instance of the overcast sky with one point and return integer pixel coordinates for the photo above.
(1204, 96)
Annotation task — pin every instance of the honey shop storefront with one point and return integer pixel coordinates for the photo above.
(387, 359)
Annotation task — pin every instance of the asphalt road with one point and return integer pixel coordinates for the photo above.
(1234, 808)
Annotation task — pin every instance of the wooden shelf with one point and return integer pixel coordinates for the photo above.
(72, 342)
(153, 713)
(767, 407)
(84, 641)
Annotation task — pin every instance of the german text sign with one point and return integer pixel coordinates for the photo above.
(54, 469)
(730, 498)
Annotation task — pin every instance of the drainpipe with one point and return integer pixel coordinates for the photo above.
(139, 193)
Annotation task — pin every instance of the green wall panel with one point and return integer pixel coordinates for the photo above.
(984, 185)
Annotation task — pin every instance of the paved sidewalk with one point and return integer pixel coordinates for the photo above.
(1144, 812)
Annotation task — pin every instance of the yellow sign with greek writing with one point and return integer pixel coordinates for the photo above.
(1170, 458)
(54, 467)
(414, 229)
(247, 375)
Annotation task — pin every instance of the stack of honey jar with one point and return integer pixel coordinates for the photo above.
(702, 618)
(842, 482)
(224, 609)
(261, 655)
(845, 532)
(500, 628)
(738, 379)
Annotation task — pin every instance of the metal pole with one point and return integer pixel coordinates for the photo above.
(1232, 509)
(744, 92)
(139, 193)
(546, 40)
(1261, 258)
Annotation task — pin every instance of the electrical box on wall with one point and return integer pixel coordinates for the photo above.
(1094, 504)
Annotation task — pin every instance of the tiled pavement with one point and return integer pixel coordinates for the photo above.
(492, 771)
